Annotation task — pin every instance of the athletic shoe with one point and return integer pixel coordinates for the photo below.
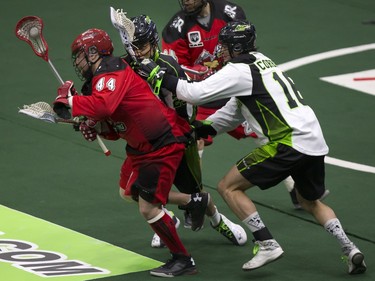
(197, 208)
(355, 261)
(156, 242)
(177, 265)
(234, 232)
(297, 206)
(264, 252)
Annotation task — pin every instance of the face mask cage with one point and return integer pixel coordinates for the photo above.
(80, 64)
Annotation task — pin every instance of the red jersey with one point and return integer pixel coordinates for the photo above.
(186, 39)
(127, 102)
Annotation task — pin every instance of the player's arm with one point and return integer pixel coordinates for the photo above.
(223, 120)
(238, 81)
(228, 117)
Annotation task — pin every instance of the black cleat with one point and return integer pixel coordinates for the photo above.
(197, 208)
(177, 265)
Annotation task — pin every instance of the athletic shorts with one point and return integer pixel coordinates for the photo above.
(242, 131)
(151, 175)
(268, 165)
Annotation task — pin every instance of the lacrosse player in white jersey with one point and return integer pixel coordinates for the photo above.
(292, 142)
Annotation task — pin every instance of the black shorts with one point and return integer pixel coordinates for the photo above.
(268, 165)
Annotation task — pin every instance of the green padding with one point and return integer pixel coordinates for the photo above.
(34, 249)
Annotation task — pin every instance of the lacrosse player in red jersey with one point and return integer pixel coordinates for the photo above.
(188, 177)
(191, 37)
(120, 104)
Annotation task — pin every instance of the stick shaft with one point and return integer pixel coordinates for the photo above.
(55, 72)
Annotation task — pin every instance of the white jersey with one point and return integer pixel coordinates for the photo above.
(262, 95)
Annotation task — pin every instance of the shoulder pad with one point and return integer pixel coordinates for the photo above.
(110, 64)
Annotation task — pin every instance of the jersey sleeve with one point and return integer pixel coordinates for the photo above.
(228, 117)
(232, 80)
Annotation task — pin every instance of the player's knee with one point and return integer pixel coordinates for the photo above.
(127, 198)
(222, 188)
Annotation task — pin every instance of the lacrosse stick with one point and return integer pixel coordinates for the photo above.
(43, 111)
(194, 71)
(126, 29)
(29, 29)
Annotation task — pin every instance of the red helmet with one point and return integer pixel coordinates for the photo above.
(92, 41)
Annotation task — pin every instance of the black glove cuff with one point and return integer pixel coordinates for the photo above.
(170, 82)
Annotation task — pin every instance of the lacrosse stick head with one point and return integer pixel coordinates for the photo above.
(43, 111)
(126, 29)
(122, 23)
(30, 30)
(39, 110)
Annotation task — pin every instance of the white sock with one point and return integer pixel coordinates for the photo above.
(254, 222)
(215, 218)
(333, 226)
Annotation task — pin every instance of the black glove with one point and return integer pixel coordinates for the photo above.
(203, 129)
(150, 71)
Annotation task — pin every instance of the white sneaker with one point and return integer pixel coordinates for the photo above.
(156, 242)
(234, 232)
(355, 261)
(264, 252)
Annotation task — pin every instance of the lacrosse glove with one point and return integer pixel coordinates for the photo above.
(88, 129)
(203, 129)
(61, 103)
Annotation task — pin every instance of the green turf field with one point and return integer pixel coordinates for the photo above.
(59, 200)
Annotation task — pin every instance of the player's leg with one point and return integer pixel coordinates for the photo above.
(310, 186)
(149, 183)
(289, 185)
(232, 188)
(261, 168)
(156, 241)
(189, 180)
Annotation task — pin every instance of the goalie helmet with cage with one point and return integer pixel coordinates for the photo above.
(92, 41)
(238, 36)
(145, 32)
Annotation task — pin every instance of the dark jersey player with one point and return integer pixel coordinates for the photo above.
(188, 176)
